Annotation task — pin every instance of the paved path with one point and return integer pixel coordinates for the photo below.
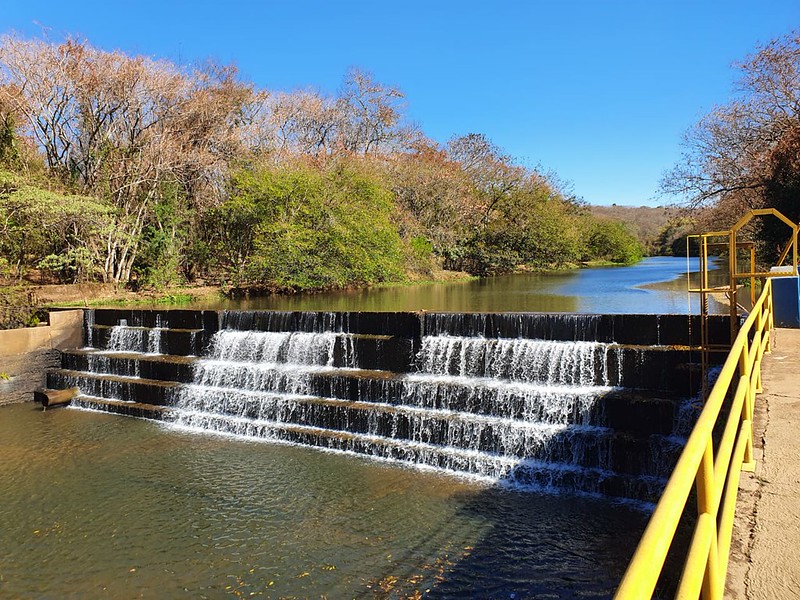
(765, 558)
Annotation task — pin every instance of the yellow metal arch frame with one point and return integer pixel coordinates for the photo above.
(712, 470)
(729, 242)
(792, 245)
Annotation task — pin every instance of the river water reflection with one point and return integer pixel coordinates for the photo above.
(654, 285)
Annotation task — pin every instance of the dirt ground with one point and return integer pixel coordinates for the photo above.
(765, 551)
(86, 294)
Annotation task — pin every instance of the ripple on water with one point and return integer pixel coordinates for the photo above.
(98, 505)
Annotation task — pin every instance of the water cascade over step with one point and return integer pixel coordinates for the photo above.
(483, 395)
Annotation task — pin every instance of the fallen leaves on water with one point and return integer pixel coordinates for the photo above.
(387, 583)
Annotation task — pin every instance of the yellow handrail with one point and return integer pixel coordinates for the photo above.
(715, 477)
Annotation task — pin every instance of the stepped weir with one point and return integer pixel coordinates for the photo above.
(597, 404)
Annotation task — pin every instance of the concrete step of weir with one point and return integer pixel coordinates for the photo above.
(665, 372)
(587, 445)
(176, 341)
(648, 329)
(372, 351)
(635, 411)
(525, 472)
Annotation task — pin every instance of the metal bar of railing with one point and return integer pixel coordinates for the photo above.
(716, 476)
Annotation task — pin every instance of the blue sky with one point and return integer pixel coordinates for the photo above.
(598, 91)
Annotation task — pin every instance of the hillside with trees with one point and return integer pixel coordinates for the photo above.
(661, 230)
(136, 172)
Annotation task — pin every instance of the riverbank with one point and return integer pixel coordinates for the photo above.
(600, 289)
(96, 294)
(106, 294)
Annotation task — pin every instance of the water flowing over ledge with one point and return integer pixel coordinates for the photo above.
(549, 402)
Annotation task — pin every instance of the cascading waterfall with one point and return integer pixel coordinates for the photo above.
(475, 405)
(124, 338)
(279, 347)
(88, 326)
(253, 367)
(547, 362)
(467, 397)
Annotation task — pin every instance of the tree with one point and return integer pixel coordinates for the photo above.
(518, 215)
(366, 118)
(743, 154)
(123, 128)
(435, 194)
(57, 232)
(371, 114)
(610, 240)
(304, 123)
(303, 227)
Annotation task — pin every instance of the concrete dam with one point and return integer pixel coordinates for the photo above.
(597, 404)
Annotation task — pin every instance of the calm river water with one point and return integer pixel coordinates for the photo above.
(101, 506)
(654, 285)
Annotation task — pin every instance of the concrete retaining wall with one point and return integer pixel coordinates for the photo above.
(27, 354)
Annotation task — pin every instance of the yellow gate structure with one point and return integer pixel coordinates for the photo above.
(712, 465)
(720, 242)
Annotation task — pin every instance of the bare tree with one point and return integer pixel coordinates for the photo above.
(371, 115)
(122, 128)
(492, 173)
(305, 122)
(726, 158)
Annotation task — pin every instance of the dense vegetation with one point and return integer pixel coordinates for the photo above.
(746, 154)
(661, 230)
(133, 171)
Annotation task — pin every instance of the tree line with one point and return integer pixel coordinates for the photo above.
(132, 170)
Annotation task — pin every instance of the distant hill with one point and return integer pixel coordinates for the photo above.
(646, 222)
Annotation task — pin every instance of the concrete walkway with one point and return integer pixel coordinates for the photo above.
(765, 554)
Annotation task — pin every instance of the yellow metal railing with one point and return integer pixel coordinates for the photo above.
(713, 473)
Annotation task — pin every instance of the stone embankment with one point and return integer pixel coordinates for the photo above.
(27, 354)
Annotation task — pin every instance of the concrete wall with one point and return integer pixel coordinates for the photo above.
(26, 354)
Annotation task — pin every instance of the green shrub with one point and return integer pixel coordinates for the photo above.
(305, 228)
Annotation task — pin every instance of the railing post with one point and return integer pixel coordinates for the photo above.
(771, 311)
(771, 322)
(758, 339)
(705, 481)
(749, 463)
(705, 501)
(713, 583)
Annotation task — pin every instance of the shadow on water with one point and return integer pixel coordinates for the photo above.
(541, 546)
(549, 546)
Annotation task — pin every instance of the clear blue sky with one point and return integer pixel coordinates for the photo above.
(598, 91)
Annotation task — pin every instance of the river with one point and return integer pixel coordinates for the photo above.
(654, 285)
(99, 506)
